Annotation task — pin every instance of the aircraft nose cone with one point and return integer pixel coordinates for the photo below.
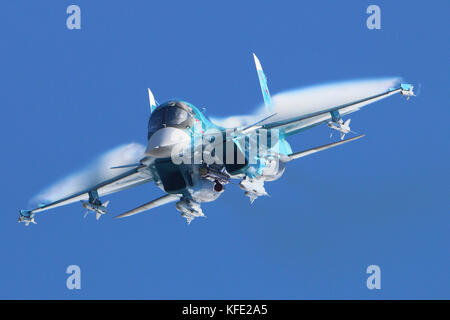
(163, 141)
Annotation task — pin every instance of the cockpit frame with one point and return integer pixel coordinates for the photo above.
(175, 114)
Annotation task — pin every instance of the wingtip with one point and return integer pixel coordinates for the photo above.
(25, 213)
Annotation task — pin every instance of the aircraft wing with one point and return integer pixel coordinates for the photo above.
(128, 179)
(295, 124)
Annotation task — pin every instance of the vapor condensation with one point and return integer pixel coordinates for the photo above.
(96, 172)
(306, 100)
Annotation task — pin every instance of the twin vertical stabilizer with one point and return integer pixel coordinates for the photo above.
(263, 83)
(152, 101)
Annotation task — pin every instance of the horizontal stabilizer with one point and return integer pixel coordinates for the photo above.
(127, 166)
(321, 148)
(150, 205)
(256, 125)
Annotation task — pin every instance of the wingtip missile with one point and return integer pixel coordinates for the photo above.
(25, 216)
(407, 90)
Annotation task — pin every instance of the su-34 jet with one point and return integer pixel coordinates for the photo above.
(192, 159)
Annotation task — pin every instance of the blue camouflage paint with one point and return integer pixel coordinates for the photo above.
(406, 86)
(283, 147)
(265, 90)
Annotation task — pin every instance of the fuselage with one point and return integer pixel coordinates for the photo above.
(177, 128)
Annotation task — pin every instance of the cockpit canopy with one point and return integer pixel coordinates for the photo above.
(175, 114)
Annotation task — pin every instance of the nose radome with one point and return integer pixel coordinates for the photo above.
(163, 141)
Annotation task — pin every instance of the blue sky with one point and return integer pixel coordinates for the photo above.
(69, 95)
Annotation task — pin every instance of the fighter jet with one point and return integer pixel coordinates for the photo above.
(192, 159)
